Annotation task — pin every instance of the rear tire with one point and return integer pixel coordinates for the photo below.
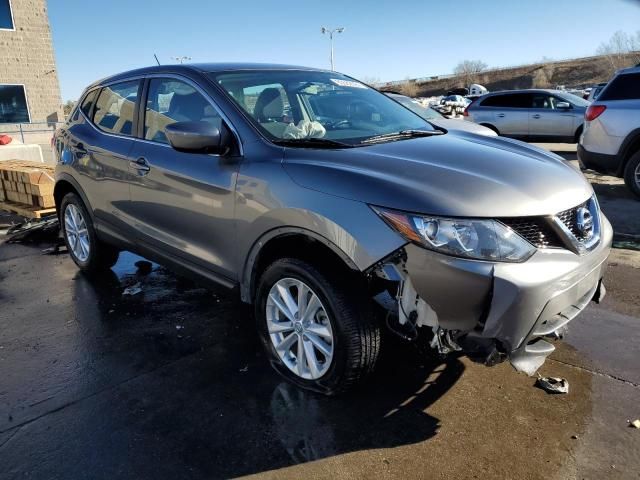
(632, 174)
(350, 336)
(85, 249)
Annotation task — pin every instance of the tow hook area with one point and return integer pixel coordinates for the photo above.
(406, 311)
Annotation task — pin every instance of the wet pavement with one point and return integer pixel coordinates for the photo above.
(172, 383)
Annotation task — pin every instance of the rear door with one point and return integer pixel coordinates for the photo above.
(99, 142)
(510, 113)
(182, 203)
(547, 120)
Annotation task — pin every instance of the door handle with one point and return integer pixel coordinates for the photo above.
(501, 115)
(141, 165)
(537, 115)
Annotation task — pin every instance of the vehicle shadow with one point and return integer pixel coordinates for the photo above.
(214, 406)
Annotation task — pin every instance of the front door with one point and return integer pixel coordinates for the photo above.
(547, 120)
(182, 203)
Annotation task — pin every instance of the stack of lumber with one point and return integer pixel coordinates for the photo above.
(26, 185)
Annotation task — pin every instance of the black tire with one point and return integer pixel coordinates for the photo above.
(630, 179)
(576, 137)
(101, 256)
(356, 334)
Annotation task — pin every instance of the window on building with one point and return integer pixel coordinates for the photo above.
(6, 18)
(13, 104)
(115, 108)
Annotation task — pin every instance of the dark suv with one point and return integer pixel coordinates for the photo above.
(336, 212)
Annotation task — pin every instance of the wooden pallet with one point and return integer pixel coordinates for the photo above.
(26, 210)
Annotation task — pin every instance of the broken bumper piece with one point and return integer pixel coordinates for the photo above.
(503, 310)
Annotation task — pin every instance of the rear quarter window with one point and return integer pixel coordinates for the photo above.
(623, 87)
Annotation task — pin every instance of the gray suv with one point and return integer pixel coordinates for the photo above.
(611, 139)
(334, 210)
(533, 115)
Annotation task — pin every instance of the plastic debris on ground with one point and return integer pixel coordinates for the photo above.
(553, 384)
(635, 423)
(133, 289)
(35, 231)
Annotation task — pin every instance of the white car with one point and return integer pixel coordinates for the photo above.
(440, 120)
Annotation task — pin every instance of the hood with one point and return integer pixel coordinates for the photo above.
(463, 125)
(456, 174)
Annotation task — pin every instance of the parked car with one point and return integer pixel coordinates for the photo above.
(533, 115)
(595, 91)
(439, 120)
(332, 209)
(611, 139)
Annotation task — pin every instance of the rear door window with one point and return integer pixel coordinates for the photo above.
(623, 87)
(115, 107)
(88, 102)
(511, 100)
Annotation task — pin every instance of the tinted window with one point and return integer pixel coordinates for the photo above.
(115, 107)
(541, 100)
(623, 87)
(511, 100)
(170, 101)
(87, 103)
(13, 104)
(5, 15)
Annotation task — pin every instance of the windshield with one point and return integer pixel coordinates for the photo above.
(303, 105)
(427, 113)
(576, 100)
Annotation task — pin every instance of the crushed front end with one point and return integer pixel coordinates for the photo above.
(497, 310)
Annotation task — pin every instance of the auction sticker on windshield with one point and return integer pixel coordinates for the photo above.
(347, 83)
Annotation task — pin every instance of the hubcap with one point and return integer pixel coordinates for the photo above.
(637, 175)
(76, 232)
(299, 328)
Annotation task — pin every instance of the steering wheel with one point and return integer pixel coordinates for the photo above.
(338, 124)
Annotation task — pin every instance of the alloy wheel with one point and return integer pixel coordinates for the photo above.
(636, 175)
(299, 328)
(76, 232)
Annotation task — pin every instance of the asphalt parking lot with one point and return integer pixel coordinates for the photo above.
(172, 383)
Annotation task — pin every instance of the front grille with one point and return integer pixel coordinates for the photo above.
(538, 230)
(534, 230)
(570, 219)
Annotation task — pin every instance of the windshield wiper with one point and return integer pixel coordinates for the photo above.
(402, 134)
(311, 143)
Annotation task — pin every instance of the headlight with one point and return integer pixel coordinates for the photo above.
(469, 238)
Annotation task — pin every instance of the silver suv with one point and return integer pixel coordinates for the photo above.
(611, 139)
(334, 210)
(533, 115)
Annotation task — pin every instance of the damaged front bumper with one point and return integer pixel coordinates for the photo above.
(503, 310)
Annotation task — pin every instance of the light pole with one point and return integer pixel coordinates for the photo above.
(331, 32)
(181, 60)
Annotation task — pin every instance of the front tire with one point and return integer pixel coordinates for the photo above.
(632, 174)
(317, 329)
(83, 245)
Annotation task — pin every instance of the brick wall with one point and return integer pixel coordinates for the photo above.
(27, 58)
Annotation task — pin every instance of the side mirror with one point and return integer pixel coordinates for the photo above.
(195, 137)
(563, 105)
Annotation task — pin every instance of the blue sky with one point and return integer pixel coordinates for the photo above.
(383, 40)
